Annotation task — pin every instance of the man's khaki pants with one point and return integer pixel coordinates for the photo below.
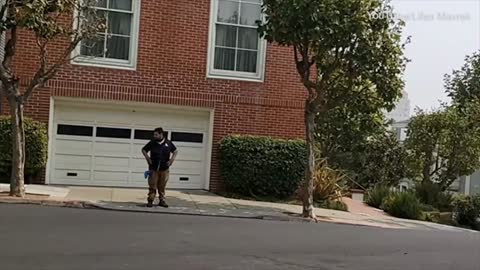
(157, 181)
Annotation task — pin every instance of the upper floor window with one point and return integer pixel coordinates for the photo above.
(236, 49)
(117, 44)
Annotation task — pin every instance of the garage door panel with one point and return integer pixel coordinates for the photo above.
(195, 166)
(139, 178)
(77, 147)
(72, 162)
(139, 164)
(175, 180)
(71, 175)
(189, 171)
(110, 176)
(112, 149)
(137, 150)
(185, 179)
(111, 164)
(190, 153)
(184, 152)
(106, 151)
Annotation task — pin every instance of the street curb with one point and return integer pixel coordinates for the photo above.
(90, 205)
(194, 213)
(286, 217)
(67, 204)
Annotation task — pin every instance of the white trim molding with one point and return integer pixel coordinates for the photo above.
(50, 151)
(213, 73)
(208, 163)
(130, 64)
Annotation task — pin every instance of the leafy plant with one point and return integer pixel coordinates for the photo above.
(376, 195)
(329, 183)
(427, 192)
(430, 217)
(466, 210)
(402, 205)
(262, 166)
(444, 202)
(427, 208)
(36, 137)
(431, 194)
(333, 205)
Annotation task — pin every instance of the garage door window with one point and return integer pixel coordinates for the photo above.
(187, 137)
(119, 133)
(146, 134)
(71, 130)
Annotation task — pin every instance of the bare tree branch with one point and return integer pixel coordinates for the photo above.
(45, 73)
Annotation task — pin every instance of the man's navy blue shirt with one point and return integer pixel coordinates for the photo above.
(160, 153)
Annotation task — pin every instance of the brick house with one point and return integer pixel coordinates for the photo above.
(195, 68)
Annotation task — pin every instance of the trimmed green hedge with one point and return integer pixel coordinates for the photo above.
(402, 205)
(467, 210)
(262, 166)
(36, 147)
(376, 195)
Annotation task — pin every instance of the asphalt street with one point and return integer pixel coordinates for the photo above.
(35, 237)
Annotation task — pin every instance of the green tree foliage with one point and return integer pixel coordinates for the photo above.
(342, 51)
(444, 144)
(383, 161)
(463, 85)
(61, 24)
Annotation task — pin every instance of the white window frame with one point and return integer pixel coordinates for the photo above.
(130, 64)
(227, 74)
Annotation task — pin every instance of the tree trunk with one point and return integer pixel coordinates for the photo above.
(427, 168)
(17, 181)
(308, 188)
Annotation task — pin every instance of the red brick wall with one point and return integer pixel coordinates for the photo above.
(171, 69)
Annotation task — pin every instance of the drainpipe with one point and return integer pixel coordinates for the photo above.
(467, 185)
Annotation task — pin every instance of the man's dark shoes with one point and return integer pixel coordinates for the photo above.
(162, 203)
(150, 204)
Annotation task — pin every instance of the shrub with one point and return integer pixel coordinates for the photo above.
(427, 192)
(402, 205)
(329, 184)
(432, 194)
(430, 216)
(375, 196)
(262, 166)
(466, 210)
(444, 202)
(427, 208)
(36, 147)
(333, 205)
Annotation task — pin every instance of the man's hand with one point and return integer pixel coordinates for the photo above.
(170, 162)
(147, 157)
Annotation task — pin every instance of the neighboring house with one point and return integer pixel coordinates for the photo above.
(402, 109)
(399, 128)
(196, 68)
(469, 185)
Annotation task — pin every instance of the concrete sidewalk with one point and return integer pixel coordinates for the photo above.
(204, 203)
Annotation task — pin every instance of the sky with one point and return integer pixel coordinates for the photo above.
(442, 33)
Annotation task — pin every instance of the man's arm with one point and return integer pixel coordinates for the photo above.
(173, 156)
(145, 151)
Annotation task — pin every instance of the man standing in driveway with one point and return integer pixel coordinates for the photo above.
(162, 155)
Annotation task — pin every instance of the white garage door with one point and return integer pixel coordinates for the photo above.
(100, 145)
